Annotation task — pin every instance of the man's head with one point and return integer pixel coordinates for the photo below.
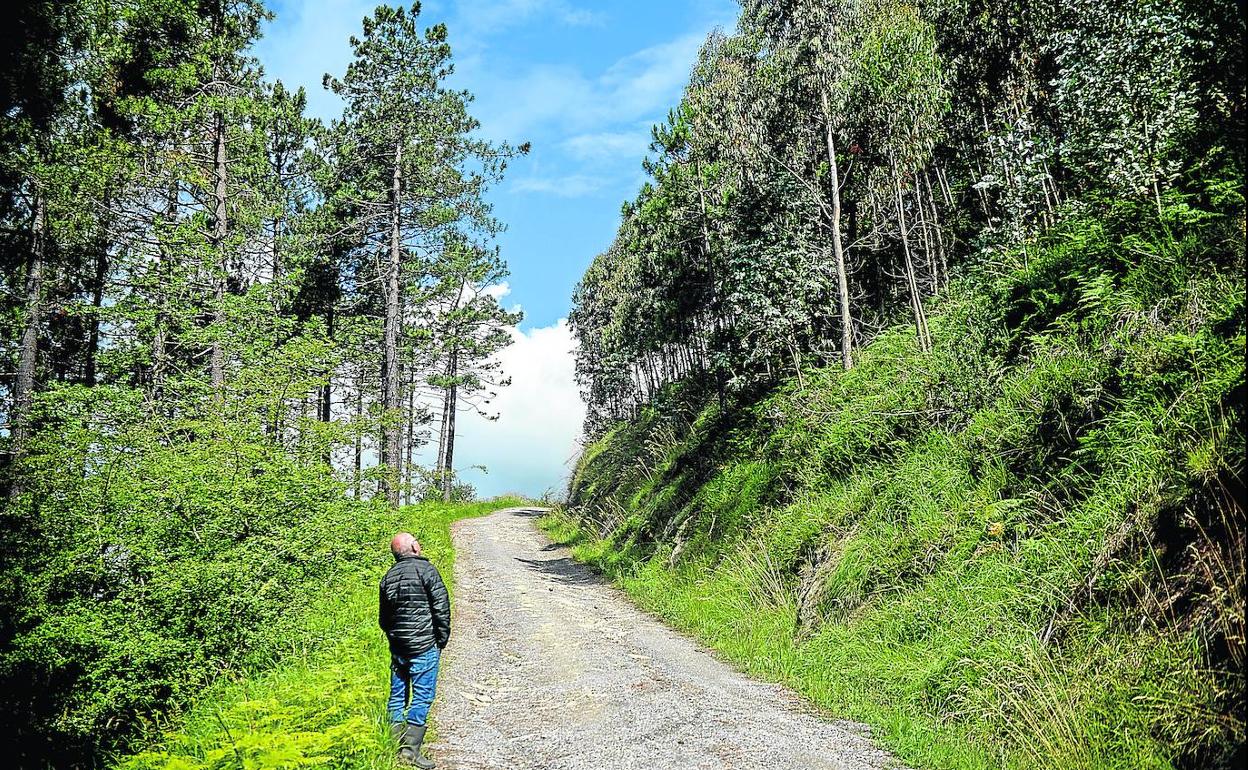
(403, 544)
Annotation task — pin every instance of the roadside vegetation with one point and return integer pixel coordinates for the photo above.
(1024, 548)
(319, 698)
(949, 436)
(227, 328)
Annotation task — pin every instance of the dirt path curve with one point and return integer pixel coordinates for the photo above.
(549, 668)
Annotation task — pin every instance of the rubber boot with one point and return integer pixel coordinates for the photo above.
(409, 748)
(396, 731)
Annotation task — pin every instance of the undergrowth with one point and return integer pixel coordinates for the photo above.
(322, 702)
(1024, 548)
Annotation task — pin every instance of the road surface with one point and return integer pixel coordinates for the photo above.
(551, 669)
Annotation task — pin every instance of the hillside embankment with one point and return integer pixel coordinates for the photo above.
(1024, 548)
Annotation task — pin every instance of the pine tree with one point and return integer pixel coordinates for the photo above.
(403, 147)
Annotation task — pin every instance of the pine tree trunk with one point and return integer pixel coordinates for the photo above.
(163, 263)
(325, 411)
(28, 350)
(390, 454)
(448, 394)
(357, 478)
(838, 252)
(276, 256)
(220, 231)
(441, 463)
(410, 442)
(448, 462)
(97, 302)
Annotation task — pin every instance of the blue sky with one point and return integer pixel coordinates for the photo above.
(583, 82)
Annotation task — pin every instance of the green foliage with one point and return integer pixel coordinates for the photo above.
(321, 702)
(160, 562)
(1023, 548)
(1008, 535)
(831, 165)
(190, 335)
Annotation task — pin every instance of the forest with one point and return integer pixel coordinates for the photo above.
(915, 374)
(226, 328)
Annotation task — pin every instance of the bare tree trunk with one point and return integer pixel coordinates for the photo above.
(28, 351)
(410, 442)
(97, 303)
(390, 454)
(838, 252)
(916, 301)
(441, 463)
(945, 190)
(220, 231)
(325, 410)
(929, 251)
(276, 256)
(163, 262)
(710, 270)
(448, 463)
(940, 238)
(324, 397)
(357, 478)
(983, 196)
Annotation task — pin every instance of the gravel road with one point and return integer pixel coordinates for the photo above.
(549, 668)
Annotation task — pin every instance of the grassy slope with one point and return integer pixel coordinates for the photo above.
(322, 705)
(1017, 550)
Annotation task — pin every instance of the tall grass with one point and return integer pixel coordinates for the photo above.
(1023, 549)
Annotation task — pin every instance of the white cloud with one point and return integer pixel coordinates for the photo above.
(632, 90)
(497, 290)
(568, 186)
(589, 131)
(311, 37)
(609, 146)
(649, 79)
(529, 447)
(484, 17)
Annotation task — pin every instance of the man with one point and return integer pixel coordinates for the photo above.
(415, 613)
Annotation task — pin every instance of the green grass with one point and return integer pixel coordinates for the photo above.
(322, 703)
(1018, 550)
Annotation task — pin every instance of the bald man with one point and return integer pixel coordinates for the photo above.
(415, 613)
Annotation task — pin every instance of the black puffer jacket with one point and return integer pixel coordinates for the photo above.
(415, 611)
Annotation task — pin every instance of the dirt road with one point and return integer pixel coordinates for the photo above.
(549, 668)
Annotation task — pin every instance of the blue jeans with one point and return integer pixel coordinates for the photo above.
(412, 685)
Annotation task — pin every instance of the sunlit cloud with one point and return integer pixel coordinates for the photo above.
(540, 415)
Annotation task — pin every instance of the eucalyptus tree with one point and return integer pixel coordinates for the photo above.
(1127, 91)
(809, 43)
(898, 78)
